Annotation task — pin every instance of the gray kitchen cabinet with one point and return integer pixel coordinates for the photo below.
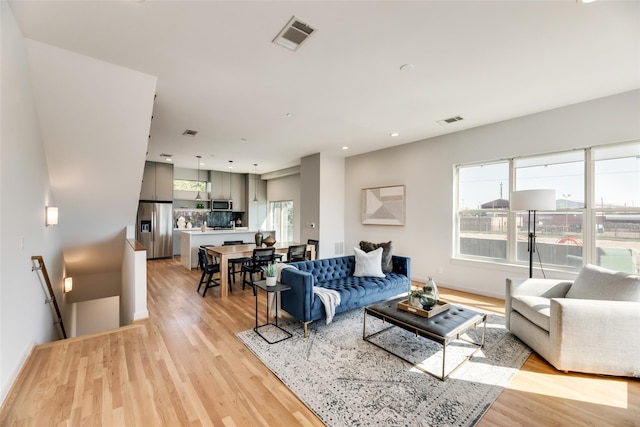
(157, 181)
(238, 191)
(219, 185)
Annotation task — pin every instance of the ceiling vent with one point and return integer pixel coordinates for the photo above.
(294, 34)
(450, 120)
(166, 155)
(189, 132)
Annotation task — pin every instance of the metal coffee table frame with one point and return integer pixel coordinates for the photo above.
(420, 326)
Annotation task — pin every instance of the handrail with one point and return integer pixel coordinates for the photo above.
(50, 298)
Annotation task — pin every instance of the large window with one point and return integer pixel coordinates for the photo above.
(597, 216)
(281, 220)
(483, 210)
(188, 185)
(617, 207)
(559, 234)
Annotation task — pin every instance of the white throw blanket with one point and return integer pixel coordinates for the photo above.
(330, 299)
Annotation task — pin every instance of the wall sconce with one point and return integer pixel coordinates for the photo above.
(68, 284)
(52, 215)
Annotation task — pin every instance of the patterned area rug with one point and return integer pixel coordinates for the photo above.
(347, 381)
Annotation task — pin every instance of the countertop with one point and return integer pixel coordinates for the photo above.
(212, 231)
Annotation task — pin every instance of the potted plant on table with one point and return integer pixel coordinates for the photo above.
(270, 271)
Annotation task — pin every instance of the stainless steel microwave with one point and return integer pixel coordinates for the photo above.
(221, 205)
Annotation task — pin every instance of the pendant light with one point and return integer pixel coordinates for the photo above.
(230, 167)
(255, 183)
(198, 180)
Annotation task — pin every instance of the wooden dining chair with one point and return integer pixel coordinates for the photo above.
(297, 253)
(261, 257)
(209, 268)
(316, 244)
(234, 264)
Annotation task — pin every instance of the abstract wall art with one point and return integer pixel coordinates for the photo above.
(383, 205)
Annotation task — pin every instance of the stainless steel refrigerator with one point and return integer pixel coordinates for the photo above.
(154, 228)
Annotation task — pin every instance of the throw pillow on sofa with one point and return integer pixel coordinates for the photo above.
(387, 265)
(594, 282)
(368, 264)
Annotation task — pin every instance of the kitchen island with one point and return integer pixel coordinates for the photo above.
(191, 240)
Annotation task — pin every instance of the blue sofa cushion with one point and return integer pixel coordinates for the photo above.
(356, 292)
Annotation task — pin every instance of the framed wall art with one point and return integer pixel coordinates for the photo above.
(383, 205)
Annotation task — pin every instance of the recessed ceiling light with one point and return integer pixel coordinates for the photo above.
(243, 139)
(345, 148)
(289, 115)
(168, 159)
(394, 134)
(407, 67)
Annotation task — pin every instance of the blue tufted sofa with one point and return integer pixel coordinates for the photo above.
(337, 274)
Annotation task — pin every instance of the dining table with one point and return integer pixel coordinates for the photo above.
(225, 253)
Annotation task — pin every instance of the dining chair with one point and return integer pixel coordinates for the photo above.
(234, 264)
(297, 253)
(316, 244)
(261, 257)
(209, 268)
(205, 248)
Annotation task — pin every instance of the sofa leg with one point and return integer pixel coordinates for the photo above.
(306, 331)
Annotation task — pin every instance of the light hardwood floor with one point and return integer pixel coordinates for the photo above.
(183, 366)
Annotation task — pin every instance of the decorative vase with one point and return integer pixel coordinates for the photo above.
(258, 237)
(203, 227)
(269, 241)
(434, 288)
(415, 302)
(271, 281)
(428, 298)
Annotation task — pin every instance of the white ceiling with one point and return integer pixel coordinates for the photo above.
(220, 74)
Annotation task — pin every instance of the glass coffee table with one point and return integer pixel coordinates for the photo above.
(442, 328)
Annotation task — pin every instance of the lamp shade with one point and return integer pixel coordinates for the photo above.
(533, 200)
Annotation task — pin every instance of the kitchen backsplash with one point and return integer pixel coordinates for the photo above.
(195, 217)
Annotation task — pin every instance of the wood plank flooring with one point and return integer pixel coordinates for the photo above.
(184, 367)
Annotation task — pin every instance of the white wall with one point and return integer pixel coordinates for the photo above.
(94, 118)
(332, 191)
(287, 188)
(97, 315)
(25, 191)
(426, 168)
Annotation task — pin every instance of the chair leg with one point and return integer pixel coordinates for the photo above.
(209, 279)
(201, 280)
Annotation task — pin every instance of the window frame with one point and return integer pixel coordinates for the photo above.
(588, 211)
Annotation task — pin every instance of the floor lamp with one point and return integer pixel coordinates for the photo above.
(532, 201)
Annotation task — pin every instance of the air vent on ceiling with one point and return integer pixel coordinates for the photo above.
(450, 120)
(294, 34)
(166, 155)
(189, 132)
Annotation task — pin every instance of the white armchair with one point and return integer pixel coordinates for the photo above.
(589, 325)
